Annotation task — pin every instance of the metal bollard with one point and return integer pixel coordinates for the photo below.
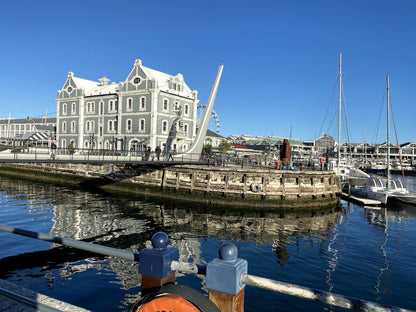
(155, 263)
(224, 279)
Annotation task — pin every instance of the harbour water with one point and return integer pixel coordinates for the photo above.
(349, 250)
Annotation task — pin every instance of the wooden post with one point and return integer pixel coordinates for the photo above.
(226, 302)
(149, 283)
(244, 185)
(154, 263)
(177, 181)
(208, 183)
(191, 188)
(162, 184)
(223, 279)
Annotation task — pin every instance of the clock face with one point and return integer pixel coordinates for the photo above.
(69, 89)
(137, 80)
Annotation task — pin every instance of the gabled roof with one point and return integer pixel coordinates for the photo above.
(213, 134)
(93, 87)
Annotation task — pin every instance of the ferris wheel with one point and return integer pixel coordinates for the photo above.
(214, 122)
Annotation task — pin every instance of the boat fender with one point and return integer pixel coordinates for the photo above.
(254, 187)
(174, 298)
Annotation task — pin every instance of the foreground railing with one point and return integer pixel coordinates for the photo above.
(226, 276)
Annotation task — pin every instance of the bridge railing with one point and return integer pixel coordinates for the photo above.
(90, 155)
(226, 276)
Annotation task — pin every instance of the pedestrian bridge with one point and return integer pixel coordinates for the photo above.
(94, 157)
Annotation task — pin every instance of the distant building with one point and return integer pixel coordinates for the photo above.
(324, 144)
(149, 108)
(213, 139)
(29, 131)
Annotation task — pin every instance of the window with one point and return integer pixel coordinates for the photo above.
(142, 103)
(101, 107)
(165, 105)
(73, 108)
(89, 126)
(185, 129)
(174, 86)
(64, 109)
(164, 126)
(101, 131)
(64, 127)
(72, 126)
(112, 106)
(90, 107)
(128, 125)
(142, 125)
(112, 126)
(186, 110)
(176, 106)
(129, 104)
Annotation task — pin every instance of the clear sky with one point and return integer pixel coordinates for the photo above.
(280, 58)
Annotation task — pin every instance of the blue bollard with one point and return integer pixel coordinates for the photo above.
(224, 279)
(154, 262)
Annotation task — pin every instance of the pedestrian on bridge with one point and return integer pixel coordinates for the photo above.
(158, 150)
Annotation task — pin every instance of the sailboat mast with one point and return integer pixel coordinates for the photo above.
(339, 111)
(388, 132)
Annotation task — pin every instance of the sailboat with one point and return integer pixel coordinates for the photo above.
(388, 192)
(343, 170)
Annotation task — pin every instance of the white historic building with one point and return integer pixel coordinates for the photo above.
(149, 108)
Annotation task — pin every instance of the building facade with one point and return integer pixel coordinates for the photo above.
(27, 131)
(149, 108)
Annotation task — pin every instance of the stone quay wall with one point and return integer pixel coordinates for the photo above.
(221, 185)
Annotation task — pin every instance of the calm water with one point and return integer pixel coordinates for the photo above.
(364, 253)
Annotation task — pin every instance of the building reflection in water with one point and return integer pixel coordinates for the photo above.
(129, 224)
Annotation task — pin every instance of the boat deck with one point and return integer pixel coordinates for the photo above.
(16, 298)
(361, 200)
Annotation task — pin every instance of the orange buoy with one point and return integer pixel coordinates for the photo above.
(168, 302)
(174, 298)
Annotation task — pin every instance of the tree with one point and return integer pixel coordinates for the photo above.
(207, 149)
(224, 146)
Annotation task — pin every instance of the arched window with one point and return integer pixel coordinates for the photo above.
(129, 104)
(64, 109)
(165, 105)
(186, 109)
(164, 126)
(142, 103)
(142, 125)
(73, 126)
(128, 125)
(64, 127)
(73, 108)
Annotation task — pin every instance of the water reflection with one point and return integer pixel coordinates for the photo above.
(299, 244)
(129, 224)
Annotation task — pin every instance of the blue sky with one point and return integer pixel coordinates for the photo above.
(280, 58)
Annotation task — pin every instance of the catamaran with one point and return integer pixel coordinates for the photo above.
(390, 191)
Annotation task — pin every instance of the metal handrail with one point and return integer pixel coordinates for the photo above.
(317, 295)
(104, 250)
